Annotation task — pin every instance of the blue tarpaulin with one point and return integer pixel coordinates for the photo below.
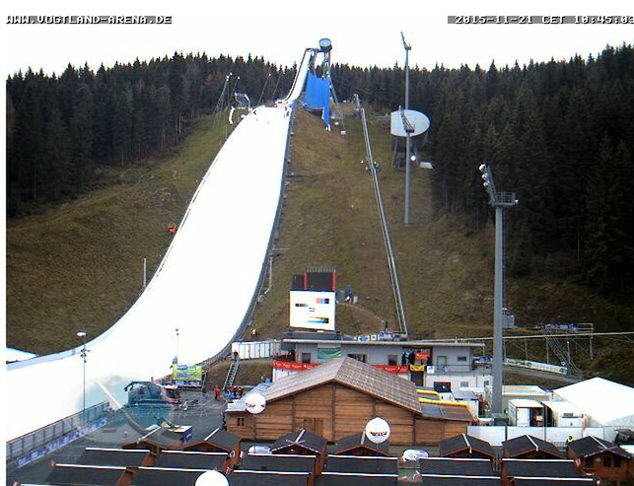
(318, 96)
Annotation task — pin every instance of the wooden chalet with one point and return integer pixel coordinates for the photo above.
(338, 398)
(529, 447)
(218, 441)
(466, 446)
(157, 440)
(359, 445)
(600, 458)
(303, 442)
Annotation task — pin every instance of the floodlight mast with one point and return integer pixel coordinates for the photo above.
(500, 201)
(407, 48)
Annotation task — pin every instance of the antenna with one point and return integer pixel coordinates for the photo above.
(407, 46)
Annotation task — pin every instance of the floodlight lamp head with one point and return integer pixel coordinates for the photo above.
(484, 177)
(486, 184)
(413, 158)
(325, 45)
(81, 333)
(482, 167)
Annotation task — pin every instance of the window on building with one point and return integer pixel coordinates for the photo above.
(359, 357)
(464, 384)
(486, 383)
(607, 461)
(240, 421)
(306, 357)
(392, 359)
(462, 359)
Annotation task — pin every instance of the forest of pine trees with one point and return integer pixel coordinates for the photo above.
(560, 134)
(60, 130)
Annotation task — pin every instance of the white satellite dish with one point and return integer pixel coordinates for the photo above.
(419, 122)
(255, 403)
(212, 478)
(377, 430)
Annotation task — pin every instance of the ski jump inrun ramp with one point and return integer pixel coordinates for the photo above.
(204, 286)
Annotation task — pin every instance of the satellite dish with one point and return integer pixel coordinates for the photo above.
(255, 403)
(377, 430)
(212, 478)
(416, 119)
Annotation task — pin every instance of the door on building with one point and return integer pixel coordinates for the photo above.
(441, 363)
(314, 425)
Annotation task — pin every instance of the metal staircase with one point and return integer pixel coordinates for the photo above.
(232, 373)
(562, 352)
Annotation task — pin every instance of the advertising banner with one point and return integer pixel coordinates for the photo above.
(312, 309)
(328, 353)
(184, 375)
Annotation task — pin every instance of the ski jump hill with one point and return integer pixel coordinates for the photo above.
(204, 287)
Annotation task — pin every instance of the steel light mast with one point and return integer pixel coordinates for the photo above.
(407, 48)
(500, 201)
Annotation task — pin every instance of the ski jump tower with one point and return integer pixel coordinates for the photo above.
(319, 87)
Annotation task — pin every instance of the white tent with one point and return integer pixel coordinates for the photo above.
(604, 402)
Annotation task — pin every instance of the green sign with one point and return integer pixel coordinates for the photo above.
(187, 373)
(328, 353)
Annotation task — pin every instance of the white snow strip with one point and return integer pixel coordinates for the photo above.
(204, 286)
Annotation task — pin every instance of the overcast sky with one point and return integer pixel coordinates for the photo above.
(363, 33)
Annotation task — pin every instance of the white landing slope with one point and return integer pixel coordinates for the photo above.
(204, 287)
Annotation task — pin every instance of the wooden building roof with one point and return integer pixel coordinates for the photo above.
(97, 456)
(166, 476)
(268, 478)
(458, 480)
(591, 446)
(157, 439)
(463, 442)
(546, 481)
(351, 373)
(361, 441)
(449, 466)
(362, 464)
(280, 462)
(439, 411)
(355, 479)
(527, 444)
(301, 439)
(554, 468)
(218, 439)
(192, 460)
(76, 475)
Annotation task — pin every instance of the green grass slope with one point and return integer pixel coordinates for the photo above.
(80, 265)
